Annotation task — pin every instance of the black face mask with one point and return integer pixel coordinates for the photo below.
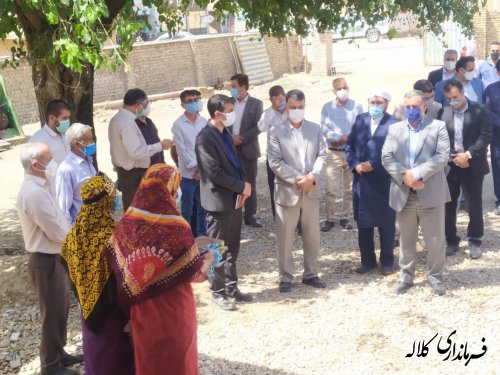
(495, 56)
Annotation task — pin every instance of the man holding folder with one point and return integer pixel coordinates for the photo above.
(223, 191)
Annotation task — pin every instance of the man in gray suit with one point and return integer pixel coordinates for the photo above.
(415, 153)
(296, 152)
(245, 132)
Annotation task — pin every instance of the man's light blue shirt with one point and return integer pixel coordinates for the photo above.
(413, 138)
(487, 72)
(337, 120)
(71, 174)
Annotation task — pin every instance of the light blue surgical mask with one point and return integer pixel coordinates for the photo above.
(375, 111)
(234, 92)
(192, 107)
(282, 105)
(117, 203)
(200, 105)
(63, 126)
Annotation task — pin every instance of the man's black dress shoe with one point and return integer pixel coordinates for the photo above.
(327, 225)
(285, 286)
(253, 222)
(315, 282)
(364, 269)
(239, 296)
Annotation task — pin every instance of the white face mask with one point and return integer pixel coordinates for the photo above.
(147, 110)
(230, 117)
(296, 115)
(50, 169)
(342, 95)
(449, 65)
(469, 76)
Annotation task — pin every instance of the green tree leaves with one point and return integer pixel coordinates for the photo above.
(76, 31)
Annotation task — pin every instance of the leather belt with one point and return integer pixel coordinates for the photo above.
(337, 149)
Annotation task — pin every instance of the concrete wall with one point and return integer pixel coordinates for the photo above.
(160, 67)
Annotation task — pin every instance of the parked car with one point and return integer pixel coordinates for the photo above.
(176, 36)
(358, 30)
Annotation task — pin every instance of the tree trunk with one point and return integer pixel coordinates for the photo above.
(55, 81)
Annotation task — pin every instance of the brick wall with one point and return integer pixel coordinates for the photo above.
(159, 68)
(487, 27)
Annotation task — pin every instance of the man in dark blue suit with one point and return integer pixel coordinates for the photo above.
(371, 183)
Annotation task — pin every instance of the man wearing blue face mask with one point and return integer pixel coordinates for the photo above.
(371, 183)
(245, 132)
(185, 130)
(75, 170)
(57, 122)
(130, 151)
(415, 153)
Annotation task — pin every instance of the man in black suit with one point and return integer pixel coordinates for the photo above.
(470, 131)
(245, 132)
(223, 190)
(448, 69)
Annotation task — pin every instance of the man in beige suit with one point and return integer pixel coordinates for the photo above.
(415, 153)
(296, 152)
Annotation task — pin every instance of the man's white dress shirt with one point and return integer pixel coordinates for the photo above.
(185, 133)
(299, 143)
(128, 146)
(71, 174)
(42, 221)
(270, 117)
(239, 108)
(56, 142)
(374, 123)
(458, 122)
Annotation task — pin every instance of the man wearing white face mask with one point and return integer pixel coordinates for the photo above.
(448, 69)
(44, 230)
(466, 75)
(337, 118)
(272, 116)
(296, 152)
(130, 153)
(224, 188)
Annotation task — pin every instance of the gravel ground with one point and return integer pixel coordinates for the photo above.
(354, 326)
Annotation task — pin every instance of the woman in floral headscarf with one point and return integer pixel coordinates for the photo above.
(107, 349)
(154, 258)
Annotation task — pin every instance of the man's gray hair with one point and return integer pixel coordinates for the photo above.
(75, 133)
(412, 93)
(450, 51)
(31, 151)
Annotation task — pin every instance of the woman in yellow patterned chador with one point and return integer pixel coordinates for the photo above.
(106, 348)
